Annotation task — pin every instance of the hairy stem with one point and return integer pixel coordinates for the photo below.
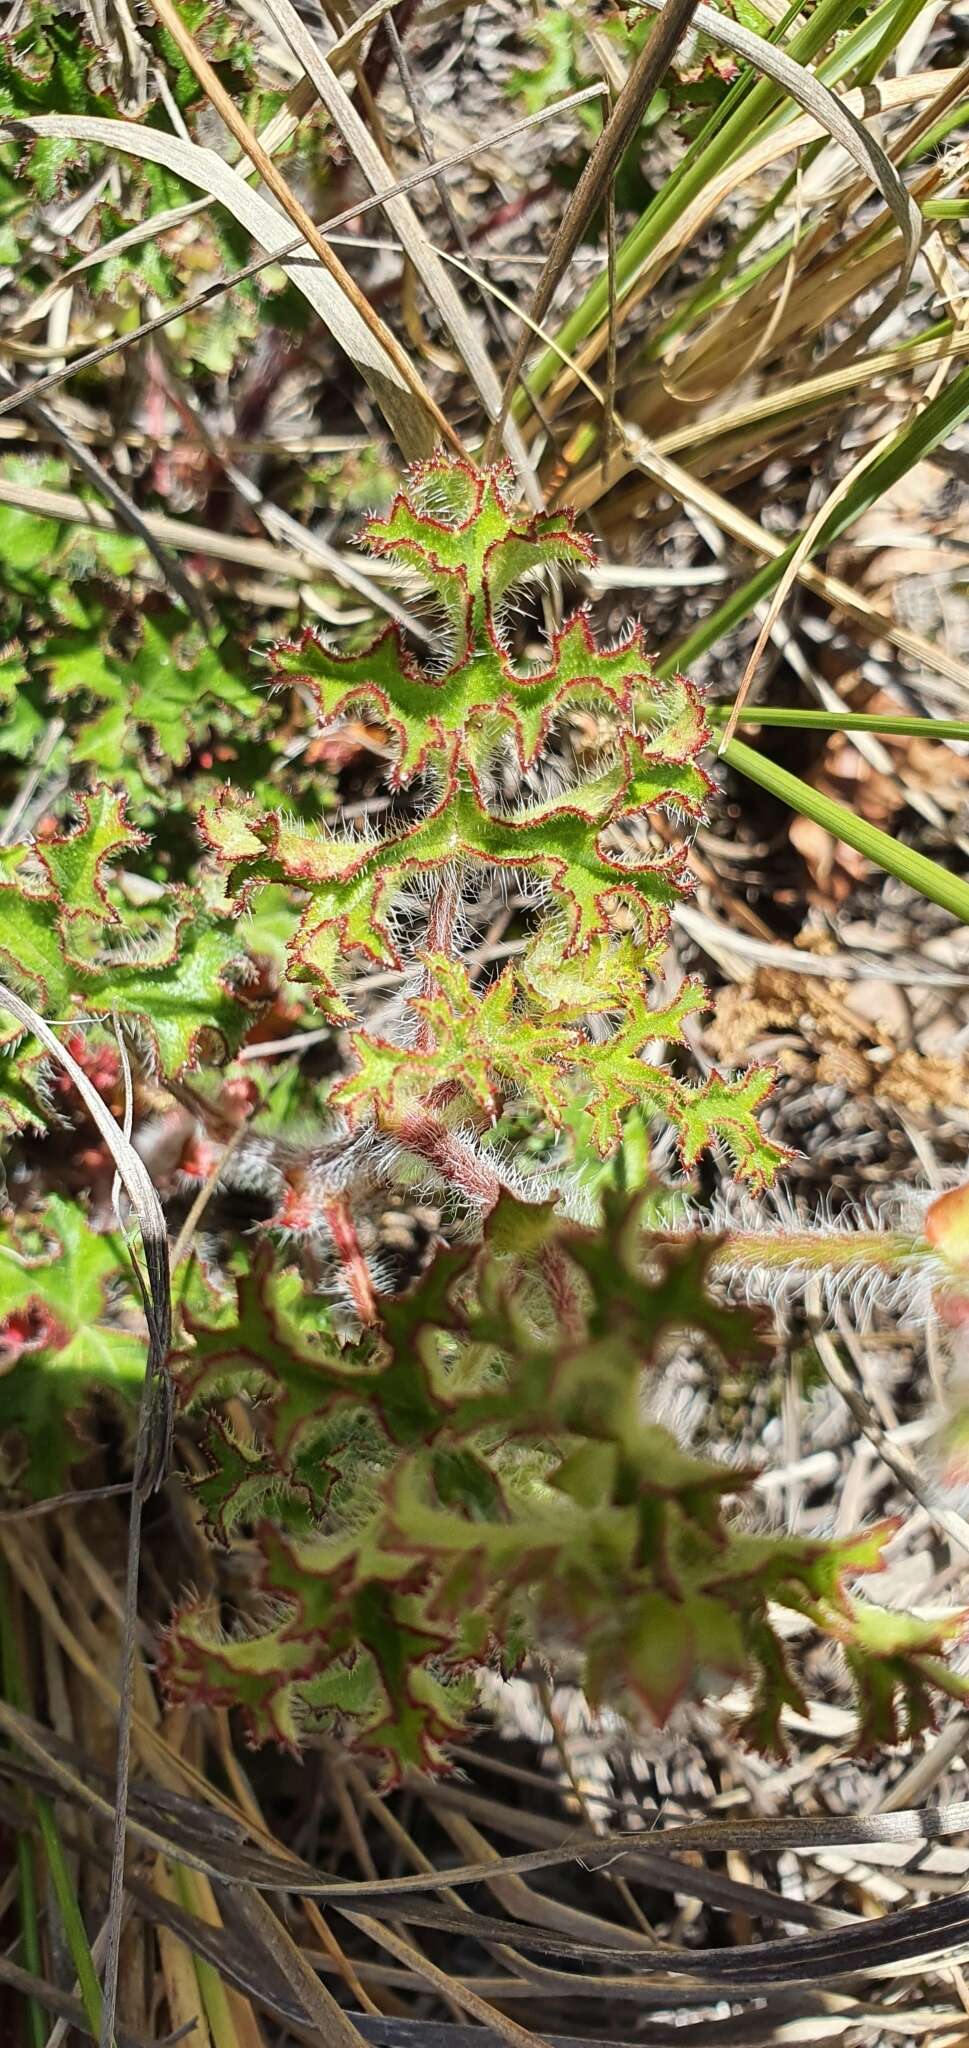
(821, 1251)
(342, 1229)
(559, 1277)
(439, 938)
(450, 1157)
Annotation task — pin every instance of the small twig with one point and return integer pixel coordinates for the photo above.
(206, 1191)
(77, 1498)
(650, 66)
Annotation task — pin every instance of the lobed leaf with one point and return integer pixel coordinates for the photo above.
(520, 1486)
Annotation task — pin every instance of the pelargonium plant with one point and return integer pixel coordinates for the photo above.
(469, 1470)
(538, 779)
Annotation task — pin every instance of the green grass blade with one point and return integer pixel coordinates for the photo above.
(749, 106)
(30, 1931)
(902, 861)
(70, 1913)
(867, 47)
(212, 1990)
(896, 725)
(932, 140)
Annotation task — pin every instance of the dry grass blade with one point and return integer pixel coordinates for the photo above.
(78, 1497)
(716, 937)
(187, 1833)
(831, 114)
(802, 554)
(282, 125)
(248, 1965)
(810, 392)
(651, 1866)
(412, 421)
(333, 2027)
(896, 1944)
(691, 491)
(154, 1430)
(293, 246)
(301, 561)
(387, 2032)
(410, 232)
(649, 68)
(462, 1994)
(718, 190)
(70, 2009)
(411, 414)
(347, 47)
(948, 1520)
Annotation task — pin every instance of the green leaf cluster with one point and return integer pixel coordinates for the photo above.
(577, 1013)
(480, 1473)
(65, 950)
(70, 1328)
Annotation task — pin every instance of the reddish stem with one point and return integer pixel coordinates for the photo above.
(444, 1151)
(343, 1232)
(559, 1277)
(439, 938)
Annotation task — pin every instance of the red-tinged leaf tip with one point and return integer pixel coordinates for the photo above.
(947, 1228)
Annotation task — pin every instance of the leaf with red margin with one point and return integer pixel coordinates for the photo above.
(727, 1109)
(77, 863)
(480, 691)
(261, 1350)
(452, 516)
(490, 1046)
(256, 1674)
(32, 952)
(352, 883)
(455, 527)
(180, 992)
(661, 1654)
(242, 1483)
(177, 987)
(531, 1489)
